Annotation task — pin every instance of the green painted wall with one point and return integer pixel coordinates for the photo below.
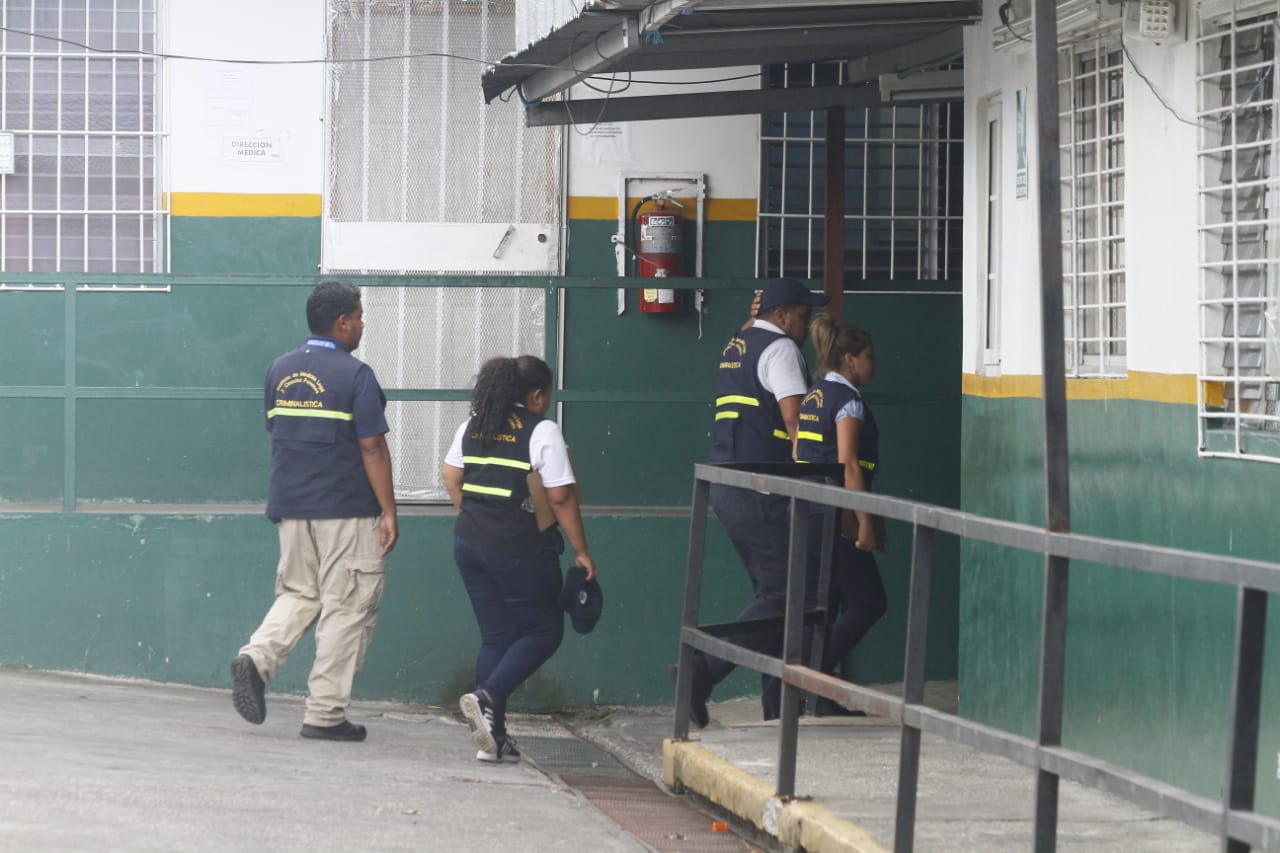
(1148, 658)
(249, 244)
(636, 453)
(173, 596)
(166, 410)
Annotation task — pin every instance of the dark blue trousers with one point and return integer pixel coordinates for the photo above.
(516, 607)
(757, 527)
(856, 599)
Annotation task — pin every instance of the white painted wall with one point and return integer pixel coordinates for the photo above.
(1160, 208)
(1161, 243)
(989, 74)
(725, 149)
(208, 105)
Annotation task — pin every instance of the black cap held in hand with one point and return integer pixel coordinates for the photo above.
(581, 599)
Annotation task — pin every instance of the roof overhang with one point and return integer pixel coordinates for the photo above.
(609, 37)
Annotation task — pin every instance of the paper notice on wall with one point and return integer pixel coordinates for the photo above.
(607, 142)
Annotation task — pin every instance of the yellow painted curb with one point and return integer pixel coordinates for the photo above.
(689, 766)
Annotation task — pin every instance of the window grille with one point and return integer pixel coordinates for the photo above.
(1239, 397)
(84, 196)
(1091, 129)
(903, 196)
(412, 142)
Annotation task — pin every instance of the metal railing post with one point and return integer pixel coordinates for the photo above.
(904, 827)
(1246, 707)
(692, 602)
(1053, 371)
(793, 647)
(822, 588)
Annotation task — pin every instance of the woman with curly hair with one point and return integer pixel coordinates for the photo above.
(510, 567)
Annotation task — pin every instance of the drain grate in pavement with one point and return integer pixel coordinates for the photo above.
(664, 822)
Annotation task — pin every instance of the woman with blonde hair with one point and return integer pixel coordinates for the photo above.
(836, 426)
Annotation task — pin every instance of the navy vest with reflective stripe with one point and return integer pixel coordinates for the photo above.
(317, 470)
(816, 441)
(496, 511)
(748, 422)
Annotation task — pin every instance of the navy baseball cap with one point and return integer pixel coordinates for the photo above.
(789, 291)
(581, 599)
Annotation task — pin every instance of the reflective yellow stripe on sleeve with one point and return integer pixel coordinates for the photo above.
(737, 398)
(723, 415)
(809, 436)
(311, 413)
(782, 434)
(870, 466)
(486, 490)
(496, 460)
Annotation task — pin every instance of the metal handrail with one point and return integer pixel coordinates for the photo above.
(1233, 819)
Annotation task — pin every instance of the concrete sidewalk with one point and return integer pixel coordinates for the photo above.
(848, 766)
(106, 764)
(110, 765)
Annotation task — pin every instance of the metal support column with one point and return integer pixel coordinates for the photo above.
(833, 216)
(793, 647)
(904, 826)
(692, 601)
(1053, 361)
(1246, 707)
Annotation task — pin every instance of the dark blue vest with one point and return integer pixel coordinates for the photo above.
(817, 436)
(748, 425)
(496, 510)
(317, 470)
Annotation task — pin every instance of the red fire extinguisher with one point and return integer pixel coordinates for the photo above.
(659, 255)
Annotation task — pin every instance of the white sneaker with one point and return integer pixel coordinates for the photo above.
(506, 751)
(479, 716)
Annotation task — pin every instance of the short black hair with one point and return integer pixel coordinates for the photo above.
(329, 301)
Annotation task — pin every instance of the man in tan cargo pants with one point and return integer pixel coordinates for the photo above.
(332, 502)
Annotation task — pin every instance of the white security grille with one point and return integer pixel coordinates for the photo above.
(84, 195)
(1239, 310)
(424, 178)
(902, 186)
(1091, 129)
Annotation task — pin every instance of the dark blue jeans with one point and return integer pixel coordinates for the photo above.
(516, 607)
(757, 526)
(856, 599)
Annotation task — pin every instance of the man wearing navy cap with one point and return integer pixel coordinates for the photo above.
(762, 378)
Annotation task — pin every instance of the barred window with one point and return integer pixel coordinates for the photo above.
(1239, 399)
(425, 178)
(1091, 130)
(84, 195)
(903, 198)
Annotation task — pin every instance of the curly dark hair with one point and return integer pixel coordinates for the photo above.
(329, 301)
(501, 383)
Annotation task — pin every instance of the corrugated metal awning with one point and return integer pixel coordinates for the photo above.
(621, 36)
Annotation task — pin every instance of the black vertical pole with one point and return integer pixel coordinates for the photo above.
(793, 647)
(1246, 706)
(904, 825)
(692, 598)
(1053, 361)
(833, 218)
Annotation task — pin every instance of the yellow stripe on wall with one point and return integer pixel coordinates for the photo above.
(1138, 385)
(245, 204)
(718, 209)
